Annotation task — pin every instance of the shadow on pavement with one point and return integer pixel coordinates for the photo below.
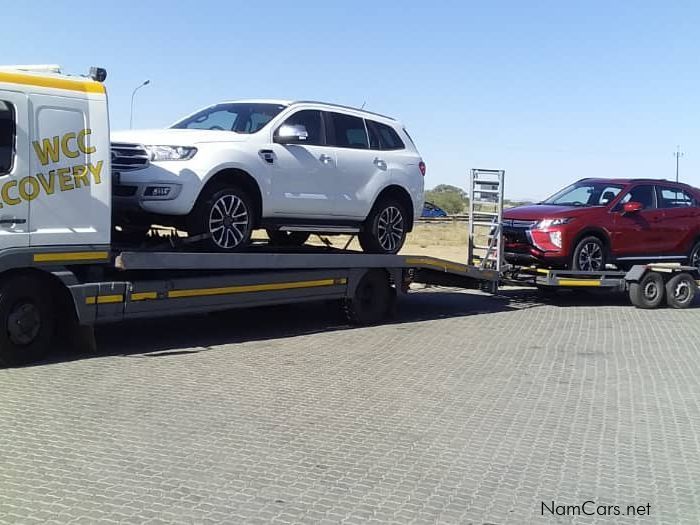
(186, 335)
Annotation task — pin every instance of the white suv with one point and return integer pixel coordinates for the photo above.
(292, 168)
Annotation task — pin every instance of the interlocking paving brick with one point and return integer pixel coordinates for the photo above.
(466, 409)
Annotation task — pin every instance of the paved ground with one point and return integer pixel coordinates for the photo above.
(468, 409)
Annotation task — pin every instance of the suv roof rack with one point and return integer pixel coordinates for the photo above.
(341, 107)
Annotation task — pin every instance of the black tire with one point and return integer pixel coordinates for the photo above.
(385, 229)
(26, 320)
(225, 217)
(694, 256)
(283, 238)
(590, 255)
(373, 300)
(680, 291)
(649, 292)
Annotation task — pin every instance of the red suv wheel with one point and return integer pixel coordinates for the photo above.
(589, 255)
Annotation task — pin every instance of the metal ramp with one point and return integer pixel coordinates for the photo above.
(485, 243)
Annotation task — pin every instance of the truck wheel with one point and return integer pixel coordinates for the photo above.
(373, 299)
(26, 320)
(680, 290)
(283, 238)
(648, 292)
(385, 228)
(225, 216)
(589, 255)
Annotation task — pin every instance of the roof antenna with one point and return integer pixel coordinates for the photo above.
(363, 104)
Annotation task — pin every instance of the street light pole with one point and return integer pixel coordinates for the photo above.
(133, 94)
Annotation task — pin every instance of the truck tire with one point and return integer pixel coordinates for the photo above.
(373, 300)
(680, 291)
(648, 293)
(224, 216)
(26, 320)
(385, 228)
(284, 238)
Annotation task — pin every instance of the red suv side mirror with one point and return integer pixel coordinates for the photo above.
(632, 207)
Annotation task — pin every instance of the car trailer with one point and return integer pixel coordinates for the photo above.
(648, 286)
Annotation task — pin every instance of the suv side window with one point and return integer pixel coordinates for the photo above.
(643, 194)
(669, 197)
(312, 120)
(348, 131)
(383, 137)
(8, 132)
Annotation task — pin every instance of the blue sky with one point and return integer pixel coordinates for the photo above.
(550, 91)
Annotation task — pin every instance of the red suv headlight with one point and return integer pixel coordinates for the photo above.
(548, 223)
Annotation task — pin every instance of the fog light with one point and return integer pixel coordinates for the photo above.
(555, 238)
(157, 191)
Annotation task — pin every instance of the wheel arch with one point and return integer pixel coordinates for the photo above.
(399, 193)
(57, 288)
(592, 231)
(240, 177)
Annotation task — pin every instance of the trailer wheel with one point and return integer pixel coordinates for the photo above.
(648, 293)
(680, 291)
(373, 299)
(26, 320)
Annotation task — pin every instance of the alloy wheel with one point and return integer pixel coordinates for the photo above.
(228, 221)
(390, 228)
(590, 258)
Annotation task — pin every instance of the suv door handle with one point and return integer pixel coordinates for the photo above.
(325, 158)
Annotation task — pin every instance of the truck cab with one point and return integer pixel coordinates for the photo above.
(55, 183)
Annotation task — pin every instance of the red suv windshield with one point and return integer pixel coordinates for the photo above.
(585, 193)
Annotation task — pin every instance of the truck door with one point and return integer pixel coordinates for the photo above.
(14, 166)
(70, 171)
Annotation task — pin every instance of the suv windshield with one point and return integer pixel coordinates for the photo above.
(239, 117)
(585, 193)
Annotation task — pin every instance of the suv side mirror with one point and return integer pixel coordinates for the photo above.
(632, 207)
(291, 134)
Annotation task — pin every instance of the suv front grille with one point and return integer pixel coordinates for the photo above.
(514, 230)
(128, 157)
(520, 224)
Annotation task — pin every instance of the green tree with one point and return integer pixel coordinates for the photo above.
(452, 199)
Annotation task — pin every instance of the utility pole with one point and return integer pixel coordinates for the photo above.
(678, 154)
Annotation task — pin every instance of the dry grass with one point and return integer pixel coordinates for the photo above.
(447, 240)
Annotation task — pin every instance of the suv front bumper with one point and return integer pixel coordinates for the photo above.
(155, 190)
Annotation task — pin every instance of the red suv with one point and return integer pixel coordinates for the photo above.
(598, 221)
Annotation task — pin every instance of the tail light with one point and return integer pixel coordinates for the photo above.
(421, 167)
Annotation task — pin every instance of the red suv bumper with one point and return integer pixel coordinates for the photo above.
(529, 246)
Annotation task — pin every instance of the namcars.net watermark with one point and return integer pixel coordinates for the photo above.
(591, 508)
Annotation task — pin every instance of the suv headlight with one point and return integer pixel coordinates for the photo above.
(548, 223)
(157, 153)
